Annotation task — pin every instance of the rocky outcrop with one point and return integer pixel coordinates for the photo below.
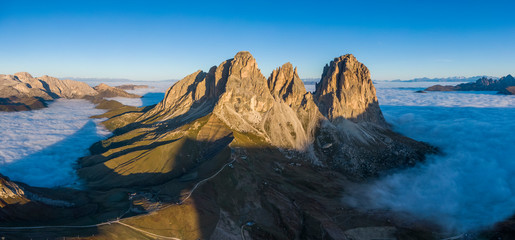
(105, 91)
(286, 85)
(483, 84)
(508, 91)
(11, 193)
(346, 92)
(19, 202)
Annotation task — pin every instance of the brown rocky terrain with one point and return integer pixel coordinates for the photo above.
(105, 91)
(508, 91)
(21, 203)
(505, 85)
(230, 154)
(346, 91)
(22, 91)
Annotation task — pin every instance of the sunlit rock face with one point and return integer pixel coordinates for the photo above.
(10, 193)
(25, 85)
(341, 126)
(238, 94)
(346, 91)
(22, 91)
(286, 85)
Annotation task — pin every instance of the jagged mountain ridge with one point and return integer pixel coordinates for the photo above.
(256, 151)
(45, 87)
(238, 94)
(22, 91)
(349, 134)
(233, 113)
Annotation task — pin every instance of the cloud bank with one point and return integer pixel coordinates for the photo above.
(41, 147)
(471, 186)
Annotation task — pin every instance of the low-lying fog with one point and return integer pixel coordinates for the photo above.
(41, 147)
(472, 185)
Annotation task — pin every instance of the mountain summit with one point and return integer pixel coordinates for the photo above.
(346, 91)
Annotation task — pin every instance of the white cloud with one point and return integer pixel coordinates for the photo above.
(41, 147)
(471, 185)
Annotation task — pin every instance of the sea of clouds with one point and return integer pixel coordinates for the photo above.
(41, 147)
(471, 185)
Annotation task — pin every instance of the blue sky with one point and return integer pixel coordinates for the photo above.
(155, 40)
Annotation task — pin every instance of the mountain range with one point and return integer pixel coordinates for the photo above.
(446, 79)
(230, 154)
(22, 91)
(504, 85)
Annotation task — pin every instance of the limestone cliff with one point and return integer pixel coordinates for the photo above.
(286, 85)
(238, 94)
(345, 91)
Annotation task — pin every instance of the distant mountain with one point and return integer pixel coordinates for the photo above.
(111, 80)
(504, 85)
(104, 80)
(447, 79)
(311, 81)
(23, 92)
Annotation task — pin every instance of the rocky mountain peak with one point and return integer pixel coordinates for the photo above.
(279, 109)
(238, 94)
(23, 75)
(102, 86)
(285, 83)
(346, 91)
(243, 65)
(508, 80)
